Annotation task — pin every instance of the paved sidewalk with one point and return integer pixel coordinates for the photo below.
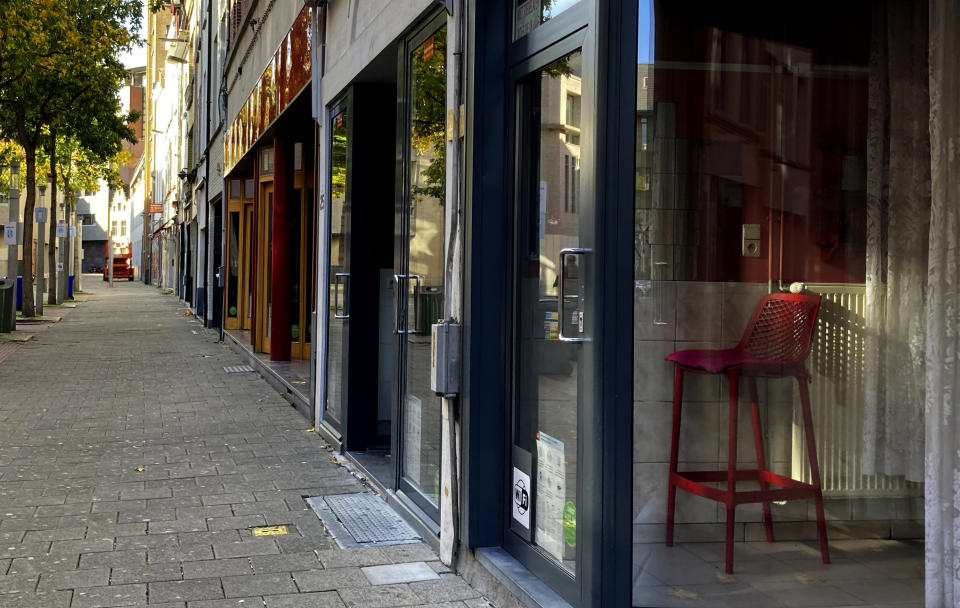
(133, 469)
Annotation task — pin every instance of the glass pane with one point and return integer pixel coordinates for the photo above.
(339, 264)
(421, 416)
(248, 189)
(528, 15)
(268, 267)
(293, 238)
(550, 302)
(763, 144)
(311, 275)
(233, 262)
(248, 242)
(234, 188)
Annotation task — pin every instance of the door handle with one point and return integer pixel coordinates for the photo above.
(336, 291)
(400, 307)
(561, 309)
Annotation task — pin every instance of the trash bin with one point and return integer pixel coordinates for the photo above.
(8, 315)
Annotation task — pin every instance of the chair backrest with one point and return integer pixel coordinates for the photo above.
(781, 328)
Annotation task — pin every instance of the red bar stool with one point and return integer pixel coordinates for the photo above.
(774, 345)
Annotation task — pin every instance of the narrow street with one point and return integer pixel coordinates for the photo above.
(134, 469)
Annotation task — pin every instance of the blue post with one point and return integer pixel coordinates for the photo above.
(20, 293)
(70, 286)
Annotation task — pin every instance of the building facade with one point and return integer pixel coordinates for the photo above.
(621, 303)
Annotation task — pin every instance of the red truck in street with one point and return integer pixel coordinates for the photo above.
(121, 263)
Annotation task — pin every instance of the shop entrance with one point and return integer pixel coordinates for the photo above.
(385, 272)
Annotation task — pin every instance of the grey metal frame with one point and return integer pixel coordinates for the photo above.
(606, 416)
(424, 30)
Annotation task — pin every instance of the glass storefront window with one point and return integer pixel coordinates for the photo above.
(233, 264)
(781, 207)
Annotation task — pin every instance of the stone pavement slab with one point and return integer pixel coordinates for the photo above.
(133, 469)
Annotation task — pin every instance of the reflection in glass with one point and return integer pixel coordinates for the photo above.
(547, 369)
(339, 263)
(528, 15)
(233, 261)
(293, 243)
(421, 406)
(759, 132)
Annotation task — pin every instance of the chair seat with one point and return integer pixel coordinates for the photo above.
(719, 361)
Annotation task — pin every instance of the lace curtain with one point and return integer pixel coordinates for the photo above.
(898, 212)
(943, 313)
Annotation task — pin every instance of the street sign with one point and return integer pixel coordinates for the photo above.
(59, 266)
(61, 230)
(40, 214)
(10, 233)
(155, 208)
(73, 231)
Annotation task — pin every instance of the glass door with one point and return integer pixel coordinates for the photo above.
(419, 275)
(264, 271)
(338, 313)
(553, 339)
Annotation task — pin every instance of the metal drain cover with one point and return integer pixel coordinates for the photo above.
(236, 369)
(362, 520)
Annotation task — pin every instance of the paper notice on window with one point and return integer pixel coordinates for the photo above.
(551, 493)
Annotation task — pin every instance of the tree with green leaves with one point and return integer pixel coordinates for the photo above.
(67, 79)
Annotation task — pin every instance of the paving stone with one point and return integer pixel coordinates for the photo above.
(217, 567)
(379, 596)
(233, 602)
(264, 584)
(198, 589)
(191, 553)
(330, 579)
(114, 595)
(290, 562)
(338, 558)
(90, 545)
(409, 572)
(18, 583)
(44, 563)
(113, 559)
(55, 534)
(48, 599)
(449, 587)
(329, 599)
(256, 546)
(52, 581)
(147, 573)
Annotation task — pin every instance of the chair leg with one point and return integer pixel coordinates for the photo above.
(761, 462)
(814, 467)
(674, 451)
(734, 378)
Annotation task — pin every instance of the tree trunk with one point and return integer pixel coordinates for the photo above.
(52, 233)
(30, 152)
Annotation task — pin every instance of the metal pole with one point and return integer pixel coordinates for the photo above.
(64, 270)
(41, 236)
(13, 251)
(110, 237)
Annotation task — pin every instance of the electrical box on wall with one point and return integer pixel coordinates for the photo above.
(445, 358)
(750, 241)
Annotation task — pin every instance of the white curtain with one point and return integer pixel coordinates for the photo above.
(898, 212)
(943, 313)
